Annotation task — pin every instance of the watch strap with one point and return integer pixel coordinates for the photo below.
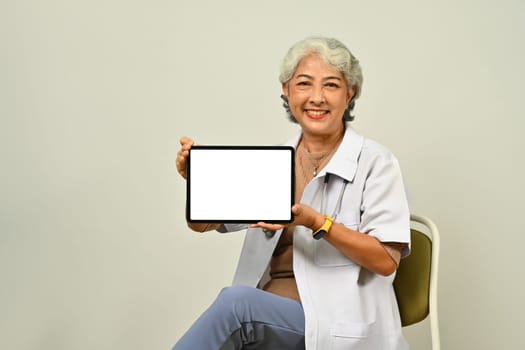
(323, 230)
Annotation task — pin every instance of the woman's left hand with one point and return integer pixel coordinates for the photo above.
(303, 215)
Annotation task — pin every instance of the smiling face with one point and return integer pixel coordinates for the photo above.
(318, 95)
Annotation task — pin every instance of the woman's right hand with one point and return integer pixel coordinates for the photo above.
(182, 155)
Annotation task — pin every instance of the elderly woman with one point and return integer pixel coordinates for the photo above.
(324, 281)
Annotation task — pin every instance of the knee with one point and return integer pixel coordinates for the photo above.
(236, 300)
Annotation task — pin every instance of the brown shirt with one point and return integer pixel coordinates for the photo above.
(282, 280)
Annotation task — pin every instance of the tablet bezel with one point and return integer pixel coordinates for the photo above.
(240, 169)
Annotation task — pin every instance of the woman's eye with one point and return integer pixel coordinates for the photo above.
(303, 83)
(332, 85)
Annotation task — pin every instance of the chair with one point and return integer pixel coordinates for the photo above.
(416, 280)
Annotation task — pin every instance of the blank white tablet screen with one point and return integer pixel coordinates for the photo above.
(240, 184)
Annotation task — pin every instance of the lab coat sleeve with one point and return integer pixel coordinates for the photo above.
(232, 228)
(384, 209)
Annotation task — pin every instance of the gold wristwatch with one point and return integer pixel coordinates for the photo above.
(323, 230)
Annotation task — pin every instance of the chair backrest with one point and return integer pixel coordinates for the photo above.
(415, 283)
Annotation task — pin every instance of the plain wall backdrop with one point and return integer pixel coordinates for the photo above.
(94, 95)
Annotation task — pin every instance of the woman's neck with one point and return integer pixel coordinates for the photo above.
(321, 143)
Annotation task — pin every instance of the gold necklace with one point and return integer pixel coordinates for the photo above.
(316, 160)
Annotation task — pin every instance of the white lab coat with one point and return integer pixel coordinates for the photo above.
(346, 306)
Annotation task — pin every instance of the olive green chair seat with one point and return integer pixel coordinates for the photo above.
(416, 280)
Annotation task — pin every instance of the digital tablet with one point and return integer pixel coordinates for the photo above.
(240, 184)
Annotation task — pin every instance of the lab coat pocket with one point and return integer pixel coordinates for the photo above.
(327, 255)
(349, 335)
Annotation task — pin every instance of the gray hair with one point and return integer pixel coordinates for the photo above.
(334, 53)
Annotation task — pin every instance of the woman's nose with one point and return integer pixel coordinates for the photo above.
(317, 96)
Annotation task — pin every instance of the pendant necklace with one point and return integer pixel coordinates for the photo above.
(315, 160)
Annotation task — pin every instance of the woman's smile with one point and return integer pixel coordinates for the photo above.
(316, 114)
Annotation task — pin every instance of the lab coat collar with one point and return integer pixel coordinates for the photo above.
(344, 161)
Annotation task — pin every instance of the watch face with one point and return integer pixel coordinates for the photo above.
(319, 234)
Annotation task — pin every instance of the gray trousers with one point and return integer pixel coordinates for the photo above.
(247, 318)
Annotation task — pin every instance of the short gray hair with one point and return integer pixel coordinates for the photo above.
(333, 52)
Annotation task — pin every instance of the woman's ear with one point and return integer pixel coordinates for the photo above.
(285, 89)
(351, 94)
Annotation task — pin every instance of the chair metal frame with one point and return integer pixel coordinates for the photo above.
(432, 232)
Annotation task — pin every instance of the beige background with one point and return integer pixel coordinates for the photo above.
(94, 252)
